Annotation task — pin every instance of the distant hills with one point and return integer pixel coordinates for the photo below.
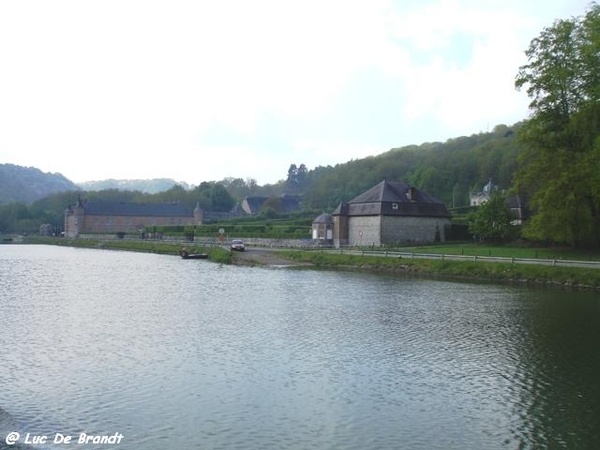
(28, 184)
(152, 186)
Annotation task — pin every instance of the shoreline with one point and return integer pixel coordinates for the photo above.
(494, 272)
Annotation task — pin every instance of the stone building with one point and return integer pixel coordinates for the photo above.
(390, 213)
(121, 217)
(479, 198)
(322, 230)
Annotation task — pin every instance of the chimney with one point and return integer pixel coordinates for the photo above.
(411, 194)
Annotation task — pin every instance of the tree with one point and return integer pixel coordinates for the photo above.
(561, 139)
(220, 199)
(292, 177)
(273, 204)
(237, 187)
(301, 176)
(492, 220)
(251, 184)
(16, 217)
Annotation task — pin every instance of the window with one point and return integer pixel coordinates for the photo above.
(394, 205)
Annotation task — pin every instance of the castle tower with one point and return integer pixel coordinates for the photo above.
(198, 214)
(74, 219)
(340, 225)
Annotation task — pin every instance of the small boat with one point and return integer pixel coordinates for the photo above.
(185, 255)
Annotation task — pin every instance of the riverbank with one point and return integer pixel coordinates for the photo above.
(566, 277)
(215, 253)
(265, 257)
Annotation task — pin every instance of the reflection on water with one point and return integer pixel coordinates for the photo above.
(190, 354)
(558, 374)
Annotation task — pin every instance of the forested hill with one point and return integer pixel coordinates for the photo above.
(27, 184)
(448, 171)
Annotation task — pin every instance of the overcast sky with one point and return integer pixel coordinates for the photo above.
(203, 90)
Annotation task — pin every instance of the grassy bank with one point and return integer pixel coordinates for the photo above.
(216, 254)
(507, 251)
(500, 272)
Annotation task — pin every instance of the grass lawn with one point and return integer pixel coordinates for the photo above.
(509, 251)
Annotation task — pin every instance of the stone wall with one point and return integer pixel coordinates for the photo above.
(340, 231)
(364, 230)
(130, 224)
(394, 230)
(398, 230)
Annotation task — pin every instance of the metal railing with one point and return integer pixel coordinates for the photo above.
(497, 259)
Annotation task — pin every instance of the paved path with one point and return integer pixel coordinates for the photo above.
(261, 256)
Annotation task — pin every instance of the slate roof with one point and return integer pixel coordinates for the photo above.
(290, 203)
(254, 203)
(393, 198)
(324, 218)
(137, 209)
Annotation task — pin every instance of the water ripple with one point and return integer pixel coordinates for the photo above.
(180, 355)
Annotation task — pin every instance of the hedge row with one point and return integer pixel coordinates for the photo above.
(291, 230)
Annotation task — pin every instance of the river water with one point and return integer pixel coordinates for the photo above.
(188, 354)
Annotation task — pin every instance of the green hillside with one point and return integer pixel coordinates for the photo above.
(448, 170)
(27, 184)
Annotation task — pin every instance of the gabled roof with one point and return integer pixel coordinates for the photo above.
(137, 209)
(393, 198)
(254, 203)
(289, 203)
(341, 210)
